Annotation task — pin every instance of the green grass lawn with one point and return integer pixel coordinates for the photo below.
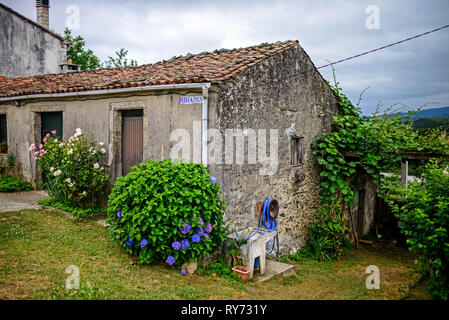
(36, 247)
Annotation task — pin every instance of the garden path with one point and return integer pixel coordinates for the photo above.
(21, 201)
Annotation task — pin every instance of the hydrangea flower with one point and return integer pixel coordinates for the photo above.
(208, 228)
(129, 242)
(199, 231)
(119, 213)
(170, 260)
(196, 238)
(143, 243)
(185, 244)
(213, 180)
(186, 229)
(176, 245)
(206, 236)
(183, 271)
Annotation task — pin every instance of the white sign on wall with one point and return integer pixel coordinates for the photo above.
(191, 100)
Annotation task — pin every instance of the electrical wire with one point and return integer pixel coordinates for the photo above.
(387, 46)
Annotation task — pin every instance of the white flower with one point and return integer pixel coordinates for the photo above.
(61, 145)
(71, 185)
(101, 144)
(57, 173)
(96, 166)
(78, 132)
(84, 193)
(70, 151)
(51, 169)
(68, 180)
(103, 150)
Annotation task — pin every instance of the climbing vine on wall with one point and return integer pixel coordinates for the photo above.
(373, 144)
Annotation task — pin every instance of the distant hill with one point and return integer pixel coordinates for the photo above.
(426, 123)
(430, 113)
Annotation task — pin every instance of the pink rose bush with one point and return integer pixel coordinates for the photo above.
(71, 170)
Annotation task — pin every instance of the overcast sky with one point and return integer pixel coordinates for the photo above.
(414, 73)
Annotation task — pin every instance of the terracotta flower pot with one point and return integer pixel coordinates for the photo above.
(244, 272)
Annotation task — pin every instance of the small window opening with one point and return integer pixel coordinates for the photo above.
(297, 151)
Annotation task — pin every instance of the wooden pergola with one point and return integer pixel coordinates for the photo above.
(406, 156)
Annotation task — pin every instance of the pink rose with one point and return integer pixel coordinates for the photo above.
(45, 139)
(32, 147)
(47, 135)
(36, 153)
(41, 146)
(53, 132)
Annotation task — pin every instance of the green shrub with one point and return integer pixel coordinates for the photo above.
(72, 171)
(10, 184)
(78, 212)
(424, 220)
(219, 268)
(328, 233)
(162, 205)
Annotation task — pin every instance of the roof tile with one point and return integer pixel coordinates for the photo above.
(216, 66)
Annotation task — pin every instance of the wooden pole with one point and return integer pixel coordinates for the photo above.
(404, 172)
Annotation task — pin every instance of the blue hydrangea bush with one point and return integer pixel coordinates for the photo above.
(167, 211)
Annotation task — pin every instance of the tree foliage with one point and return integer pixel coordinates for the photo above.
(120, 60)
(79, 54)
(88, 60)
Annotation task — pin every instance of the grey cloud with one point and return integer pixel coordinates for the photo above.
(414, 73)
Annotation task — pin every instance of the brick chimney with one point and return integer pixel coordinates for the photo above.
(42, 7)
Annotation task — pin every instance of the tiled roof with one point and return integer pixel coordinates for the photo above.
(214, 67)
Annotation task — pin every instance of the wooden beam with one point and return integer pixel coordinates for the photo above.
(404, 172)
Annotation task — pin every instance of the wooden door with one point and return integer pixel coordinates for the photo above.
(132, 139)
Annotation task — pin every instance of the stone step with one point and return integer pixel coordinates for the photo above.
(275, 268)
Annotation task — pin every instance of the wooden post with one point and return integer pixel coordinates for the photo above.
(404, 172)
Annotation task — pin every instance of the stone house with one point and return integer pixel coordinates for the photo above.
(27, 47)
(249, 114)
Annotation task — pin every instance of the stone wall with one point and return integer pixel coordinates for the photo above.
(27, 48)
(269, 95)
